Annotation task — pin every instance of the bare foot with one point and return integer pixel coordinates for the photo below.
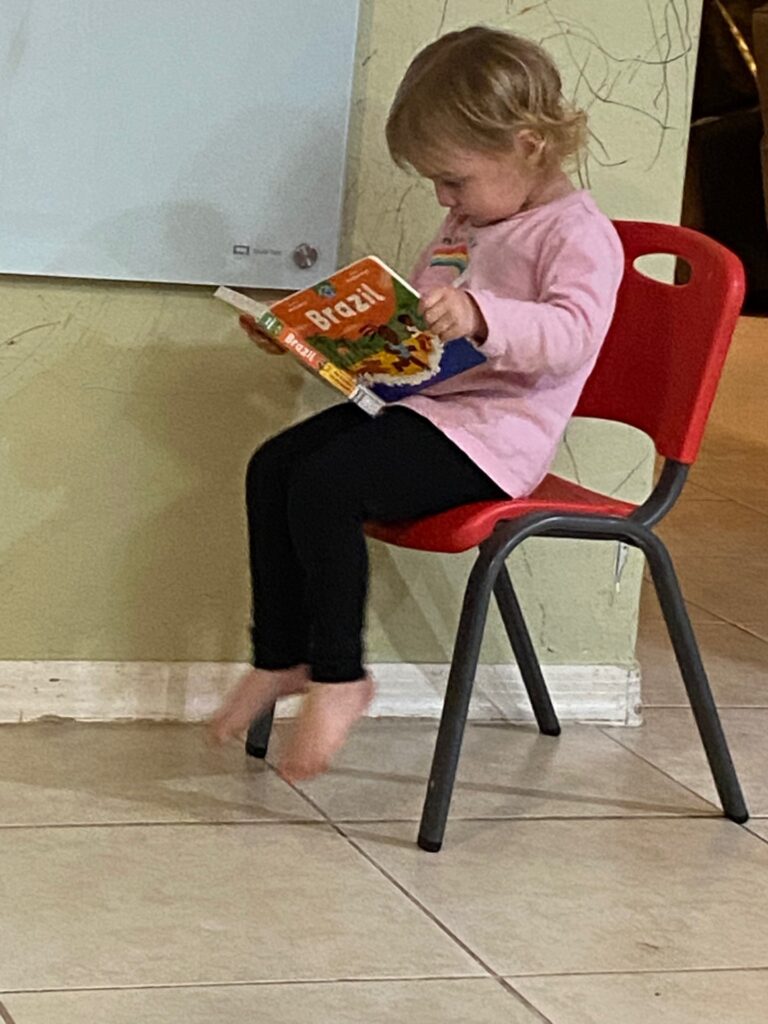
(327, 714)
(256, 692)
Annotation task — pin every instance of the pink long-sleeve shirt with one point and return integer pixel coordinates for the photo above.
(545, 281)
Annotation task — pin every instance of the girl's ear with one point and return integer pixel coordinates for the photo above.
(531, 145)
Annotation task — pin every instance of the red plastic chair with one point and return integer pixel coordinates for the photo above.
(658, 371)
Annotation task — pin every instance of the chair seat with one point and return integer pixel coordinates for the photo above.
(467, 526)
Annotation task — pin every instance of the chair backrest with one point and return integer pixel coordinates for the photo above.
(660, 364)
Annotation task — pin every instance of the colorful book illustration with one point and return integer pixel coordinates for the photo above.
(361, 330)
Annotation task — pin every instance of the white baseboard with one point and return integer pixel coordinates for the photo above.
(107, 691)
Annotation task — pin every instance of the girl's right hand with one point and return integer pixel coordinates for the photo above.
(264, 342)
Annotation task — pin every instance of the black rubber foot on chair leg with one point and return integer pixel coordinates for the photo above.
(551, 732)
(253, 751)
(740, 819)
(429, 845)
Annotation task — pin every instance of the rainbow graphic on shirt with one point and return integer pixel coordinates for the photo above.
(456, 256)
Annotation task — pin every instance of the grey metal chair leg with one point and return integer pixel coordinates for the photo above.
(445, 760)
(696, 683)
(257, 740)
(525, 655)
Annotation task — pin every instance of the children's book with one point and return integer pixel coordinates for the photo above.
(361, 330)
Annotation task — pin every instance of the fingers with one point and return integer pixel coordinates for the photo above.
(435, 309)
(249, 326)
(452, 313)
(440, 320)
(264, 342)
(439, 310)
(433, 304)
(446, 327)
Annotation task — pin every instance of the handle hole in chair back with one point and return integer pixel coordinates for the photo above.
(665, 268)
(660, 364)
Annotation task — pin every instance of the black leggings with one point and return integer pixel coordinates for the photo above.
(309, 490)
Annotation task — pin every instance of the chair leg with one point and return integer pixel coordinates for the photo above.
(696, 682)
(257, 740)
(445, 760)
(525, 655)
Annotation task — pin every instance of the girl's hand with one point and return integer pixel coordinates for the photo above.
(453, 313)
(264, 342)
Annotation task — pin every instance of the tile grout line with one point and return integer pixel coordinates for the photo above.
(641, 972)
(749, 632)
(531, 1007)
(726, 622)
(441, 925)
(415, 979)
(173, 986)
(240, 822)
(424, 910)
(337, 827)
(666, 774)
(721, 619)
(702, 815)
(521, 818)
(729, 497)
(689, 605)
(763, 839)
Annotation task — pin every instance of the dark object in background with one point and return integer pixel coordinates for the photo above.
(760, 41)
(724, 82)
(724, 188)
(724, 194)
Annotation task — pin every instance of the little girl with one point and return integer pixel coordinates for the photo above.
(524, 265)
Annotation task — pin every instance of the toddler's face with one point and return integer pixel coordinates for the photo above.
(486, 187)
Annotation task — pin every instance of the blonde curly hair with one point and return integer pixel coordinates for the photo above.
(475, 89)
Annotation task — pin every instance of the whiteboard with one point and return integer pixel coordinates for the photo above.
(197, 141)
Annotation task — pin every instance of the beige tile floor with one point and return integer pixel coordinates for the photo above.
(585, 880)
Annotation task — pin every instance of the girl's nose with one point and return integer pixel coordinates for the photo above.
(445, 196)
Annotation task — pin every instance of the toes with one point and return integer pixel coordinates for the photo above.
(294, 771)
(219, 732)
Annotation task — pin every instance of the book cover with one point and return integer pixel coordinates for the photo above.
(361, 330)
(275, 328)
(365, 319)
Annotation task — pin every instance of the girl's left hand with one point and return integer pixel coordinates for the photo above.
(453, 313)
